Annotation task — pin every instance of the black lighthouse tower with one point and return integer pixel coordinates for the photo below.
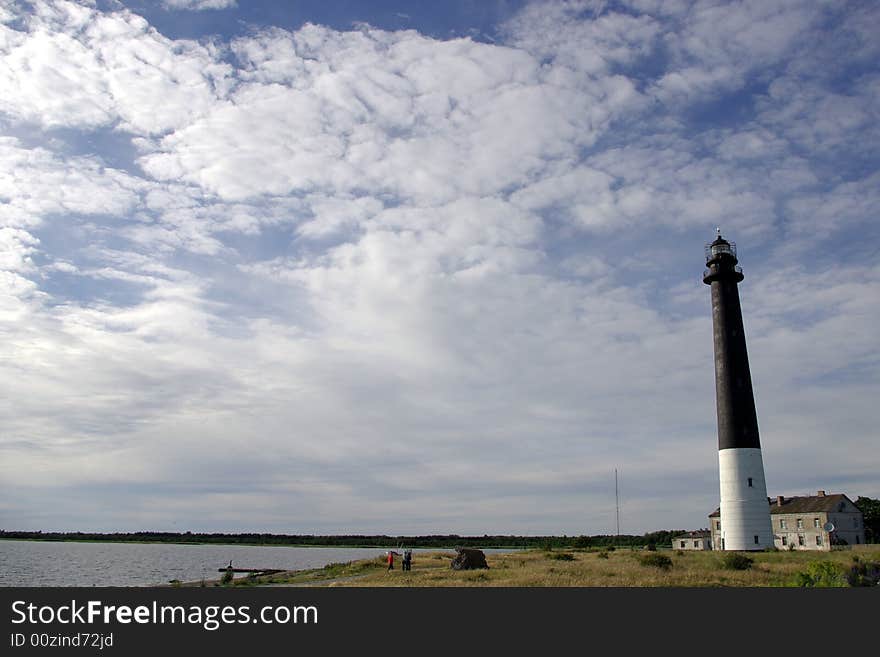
(745, 510)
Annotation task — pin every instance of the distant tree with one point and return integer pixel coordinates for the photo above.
(870, 509)
(582, 542)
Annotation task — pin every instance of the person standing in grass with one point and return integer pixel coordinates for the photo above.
(390, 560)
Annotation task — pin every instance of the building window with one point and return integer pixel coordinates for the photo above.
(782, 524)
(785, 540)
(757, 542)
(855, 523)
(682, 544)
(858, 540)
(718, 525)
(818, 539)
(750, 482)
(816, 523)
(800, 523)
(800, 540)
(696, 544)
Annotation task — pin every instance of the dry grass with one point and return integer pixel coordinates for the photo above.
(586, 568)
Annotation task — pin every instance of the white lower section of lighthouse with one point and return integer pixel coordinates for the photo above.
(745, 510)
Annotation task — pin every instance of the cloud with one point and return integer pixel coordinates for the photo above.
(664, 184)
(415, 118)
(720, 47)
(821, 120)
(400, 283)
(198, 5)
(849, 205)
(73, 66)
(34, 182)
(583, 36)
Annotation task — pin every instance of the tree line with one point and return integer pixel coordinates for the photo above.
(450, 541)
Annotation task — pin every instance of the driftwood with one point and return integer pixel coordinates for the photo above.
(469, 559)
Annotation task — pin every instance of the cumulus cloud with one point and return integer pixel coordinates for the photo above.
(401, 283)
(198, 5)
(74, 66)
(582, 36)
(403, 114)
(34, 182)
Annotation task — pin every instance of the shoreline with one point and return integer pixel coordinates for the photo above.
(243, 544)
(593, 568)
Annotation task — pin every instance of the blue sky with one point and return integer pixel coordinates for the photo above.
(416, 267)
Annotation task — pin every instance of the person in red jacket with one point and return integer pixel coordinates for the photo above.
(390, 560)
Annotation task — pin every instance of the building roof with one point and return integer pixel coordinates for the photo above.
(703, 533)
(804, 504)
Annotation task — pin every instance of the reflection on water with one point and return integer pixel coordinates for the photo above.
(39, 563)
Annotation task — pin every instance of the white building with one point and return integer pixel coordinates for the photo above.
(700, 540)
(814, 522)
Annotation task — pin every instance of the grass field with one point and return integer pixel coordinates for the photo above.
(593, 568)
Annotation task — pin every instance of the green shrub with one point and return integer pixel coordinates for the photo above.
(602, 555)
(823, 574)
(863, 573)
(227, 577)
(651, 547)
(656, 560)
(561, 556)
(736, 561)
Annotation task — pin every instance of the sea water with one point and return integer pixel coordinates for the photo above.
(63, 563)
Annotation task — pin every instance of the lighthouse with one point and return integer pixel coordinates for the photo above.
(745, 510)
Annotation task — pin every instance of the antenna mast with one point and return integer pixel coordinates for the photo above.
(617, 505)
